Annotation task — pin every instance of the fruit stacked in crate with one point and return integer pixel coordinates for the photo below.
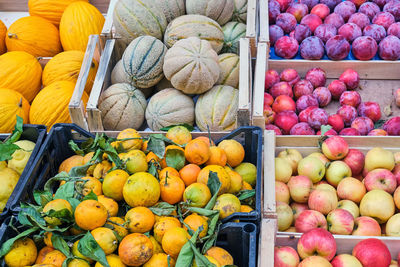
(334, 29)
(317, 247)
(51, 28)
(136, 202)
(298, 106)
(175, 51)
(341, 190)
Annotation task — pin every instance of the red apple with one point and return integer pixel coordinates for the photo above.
(271, 78)
(317, 242)
(351, 98)
(290, 75)
(323, 200)
(285, 257)
(380, 179)
(310, 219)
(285, 121)
(345, 260)
(336, 122)
(268, 100)
(366, 226)
(372, 252)
(352, 189)
(355, 159)
(315, 261)
(396, 197)
(350, 78)
(274, 128)
(298, 208)
(350, 206)
(283, 103)
(340, 222)
(300, 188)
(396, 172)
(335, 148)
(303, 115)
(371, 110)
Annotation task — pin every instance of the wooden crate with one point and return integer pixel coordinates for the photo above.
(378, 82)
(307, 145)
(110, 56)
(252, 30)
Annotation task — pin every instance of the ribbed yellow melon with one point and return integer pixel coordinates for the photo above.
(169, 107)
(143, 61)
(218, 109)
(240, 11)
(172, 8)
(3, 32)
(122, 106)
(194, 26)
(219, 10)
(12, 104)
(34, 35)
(229, 75)
(134, 18)
(66, 67)
(21, 72)
(50, 106)
(192, 66)
(78, 22)
(51, 10)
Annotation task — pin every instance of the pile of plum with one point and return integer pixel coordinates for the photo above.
(349, 29)
(295, 106)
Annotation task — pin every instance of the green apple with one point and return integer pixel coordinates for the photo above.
(311, 167)
(320, 156)
(393, 225)
(293, 156)
(337, 171)
(379, 158)
(285, 216)
(377, 204)
(283, 170)
(350, 206)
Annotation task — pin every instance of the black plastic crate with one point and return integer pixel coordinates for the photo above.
(239, 239)
(36, 134)
(53, 152)
(251, 139)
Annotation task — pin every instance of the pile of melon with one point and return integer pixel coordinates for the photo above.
(180, 65)
(58, 29)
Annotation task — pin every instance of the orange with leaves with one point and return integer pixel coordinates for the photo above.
(135, 249)
(197, 152)
(139, 219)
(171, 188)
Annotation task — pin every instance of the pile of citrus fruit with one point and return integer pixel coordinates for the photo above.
(136, 201)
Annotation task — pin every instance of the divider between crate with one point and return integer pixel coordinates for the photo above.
(269, 205)
(76, 106)
(266, 242)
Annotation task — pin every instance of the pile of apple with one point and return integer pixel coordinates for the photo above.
(317, 248)
(334, 27)
(340, 190)
(295, 106)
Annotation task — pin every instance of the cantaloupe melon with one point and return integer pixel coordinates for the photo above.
(233, 31)
(229, 75)
(172, 8)
(192, 66)
(218, 109)
(169, 107)
(194, 26)
(143, 61)
(219, 10)
(134, 18)
(122, 106)
(118, 74)
(240, 11)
